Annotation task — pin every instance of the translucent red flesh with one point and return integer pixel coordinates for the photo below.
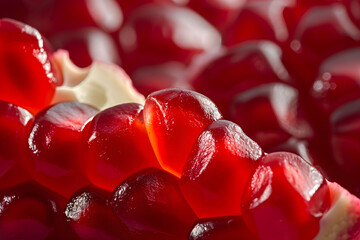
(285, 196)
(54, 146)
(29, 212)
(221, 162)
(166, 114)
(28, 77)
(90, 215)
(15, 123)
(116, 145)
(229, 228)
(151, 205)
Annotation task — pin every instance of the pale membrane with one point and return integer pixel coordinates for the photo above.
(343, 217)
(101, 85)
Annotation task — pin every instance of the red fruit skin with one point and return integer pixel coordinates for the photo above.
(158, 33)
(229, 228)
(174, 119)
(89, 214)
(284, 197)
(271, 114)
(30, 211)
(54, 146)
(151, 205)
(15, 124)
(218, 168)
(28, 76)
(116, 145)
(242, 67)
(344, 144)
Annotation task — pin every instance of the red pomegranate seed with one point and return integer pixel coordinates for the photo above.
(158, 33)
(344, 144)
(154, 78)
(116, 145)
(320, 32)
(285, 198)
(174, 119)
(28, 76)
(259, 20)
(218, 168)
(15, 124)
(151, 206)
(229, 228)
(87, 45)
(89, 214)
(54, 145)
(218, 12)
(337, 81)
(29, 211)
(271, 114)
(53, 17)
(240, 68)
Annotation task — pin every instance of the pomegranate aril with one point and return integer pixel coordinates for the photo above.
(258, 20)
(337, 81)
(345, 142)
(129, 6)
(159, 33)
(28, 74)
(218, 168)
(285, 198)
(245, 66)
(54, 146)
(116, 145)
(271, 114)
(320, 32)
(29, 211)
(15, 124)
(53, 17)
(89, 214)
(174, 119)
(229, 228)
(151, 205)
(154, 78)
(86, 45)
(218, 12)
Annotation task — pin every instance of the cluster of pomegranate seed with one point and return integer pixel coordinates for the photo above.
(284, 70)
(173, 167)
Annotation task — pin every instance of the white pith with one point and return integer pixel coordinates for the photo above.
(342, 218)
(101, 85)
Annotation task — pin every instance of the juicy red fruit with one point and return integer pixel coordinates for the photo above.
(158, 33)
(30, 211)
(89, 214)
(220, 228)
(215, 174)
(271, 114)
(285, 198)
(54, 146)
(116, 145)
(151, 206)
(344, 144)
(27, 74)
(174, 119)
(14, 127)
